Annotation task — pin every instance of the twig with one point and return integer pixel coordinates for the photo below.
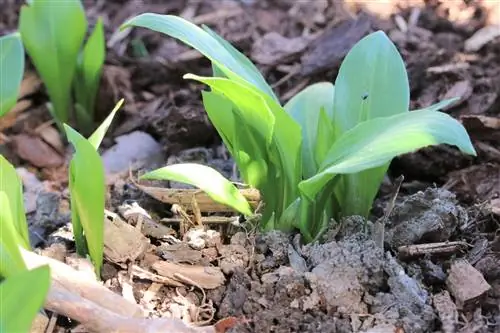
(96, 307)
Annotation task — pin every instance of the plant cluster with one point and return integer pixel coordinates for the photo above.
(87, 191)
(323, 154)
(315, 159)
(52, 34)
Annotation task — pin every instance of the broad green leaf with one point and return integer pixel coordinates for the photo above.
(88, 193)
(208, 180)
(243, 61)
(372, 82)
(251, 154)
(11, 261)
(96, 138)
(290, 215)
(261, 112)
(52, 33)
(305, 109)
(78, 235)
(220, 112)
(89, 69)
(440, 105)
(376, 142)
(252, 107)
(12, 68)
(225, 57)
(30, 288)
(325, 137)
(11, 185)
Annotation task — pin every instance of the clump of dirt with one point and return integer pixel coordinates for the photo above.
(345, 278)
(428, 216)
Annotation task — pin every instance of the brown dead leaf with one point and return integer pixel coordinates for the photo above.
(273, 48)
(199, 276)
(36, 151)
(52, 136)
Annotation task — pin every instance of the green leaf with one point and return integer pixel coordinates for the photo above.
(440, 105)
(376, 142)
(11, 185)
(87, 190)
(89, 70)
(12, 68)
(52, 34)
(226, 58)
(11, 261)
(251, 105)
(371, 83)
(30, 288)
(261, 112)
(305, 109)
(207, 179)
(96, 138)
(220, 112)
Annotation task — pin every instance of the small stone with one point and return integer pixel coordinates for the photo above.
(466, 284)
(196, 238)
(131, 150)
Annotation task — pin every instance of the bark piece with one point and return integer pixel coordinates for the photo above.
(199, 276)
(272, 48)
(122, 242)
(466, 284)
(36, 151)
(482, 37)
(184, 198)
(330, 48)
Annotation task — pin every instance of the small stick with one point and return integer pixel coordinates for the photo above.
(431, 248)
(97, 308)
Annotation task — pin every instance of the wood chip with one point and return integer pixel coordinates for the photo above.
(466, 284)
(184, 197)
(273, 48)
(462, 90)
(447, 311)
(200, 276)
(482, 37)
(122, 242)
(448, 68)
(329, 49)
(36, 151)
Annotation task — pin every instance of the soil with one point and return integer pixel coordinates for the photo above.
(431, 265)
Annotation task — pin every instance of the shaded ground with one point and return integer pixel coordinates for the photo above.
(438, 269)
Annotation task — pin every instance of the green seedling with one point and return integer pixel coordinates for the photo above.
(87, 189)
(88, 76)
(323, 155)
(13, 227)
(29, 287)
(53, 33)
(11, 69)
